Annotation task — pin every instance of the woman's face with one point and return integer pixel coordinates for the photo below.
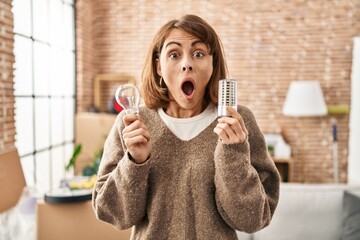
(186, 67)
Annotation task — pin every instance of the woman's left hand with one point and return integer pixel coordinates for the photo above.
(231, 129)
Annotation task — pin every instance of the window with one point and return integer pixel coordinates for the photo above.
(44, 84)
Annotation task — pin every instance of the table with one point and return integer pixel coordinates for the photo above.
(285, 167)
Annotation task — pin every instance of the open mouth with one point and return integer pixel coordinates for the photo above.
(188, 88)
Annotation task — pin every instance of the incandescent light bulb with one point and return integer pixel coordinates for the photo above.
(128, 97)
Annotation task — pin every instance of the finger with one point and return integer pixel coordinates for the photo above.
(222, 134)
(133, 141)
(234, 132)
(233, 113)
(229, 120)
(242, 124)
(228, 135)
(137, 132)
(230, 132)
(146, 134)
(134, 125)
(129, 118)
(238, 126)
(233, 123)
(131, 127)
(239, 130)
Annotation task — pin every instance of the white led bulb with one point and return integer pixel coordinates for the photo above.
(227, 96)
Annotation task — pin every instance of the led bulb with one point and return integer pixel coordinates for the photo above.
(128, 97)
(227, 96)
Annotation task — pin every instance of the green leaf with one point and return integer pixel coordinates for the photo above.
(89, 171)
(72, 160)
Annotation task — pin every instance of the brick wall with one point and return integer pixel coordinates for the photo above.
(7, 100)
(85, 54)
(268, 44)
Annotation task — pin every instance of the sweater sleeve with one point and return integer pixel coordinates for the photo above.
(119, 194)
(246, 180)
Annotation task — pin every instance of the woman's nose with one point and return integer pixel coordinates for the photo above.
(187, 63)
(187, 68)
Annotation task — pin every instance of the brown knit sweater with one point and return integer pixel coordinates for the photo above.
(196, 189)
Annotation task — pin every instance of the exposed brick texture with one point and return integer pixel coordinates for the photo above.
(7, 99)
(85, 54)
(268, 44)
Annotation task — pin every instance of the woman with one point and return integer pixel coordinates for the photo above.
(175, 170)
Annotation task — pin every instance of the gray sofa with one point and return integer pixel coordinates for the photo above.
(313, 212)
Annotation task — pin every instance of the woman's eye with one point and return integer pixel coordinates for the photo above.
(174, 55)
(198, 54)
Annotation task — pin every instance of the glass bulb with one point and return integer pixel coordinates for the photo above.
(128, 97)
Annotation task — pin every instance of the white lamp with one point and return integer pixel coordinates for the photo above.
(304, 99)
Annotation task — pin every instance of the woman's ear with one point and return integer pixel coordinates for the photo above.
(158, 67)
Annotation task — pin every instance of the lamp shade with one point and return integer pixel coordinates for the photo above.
(304, 99)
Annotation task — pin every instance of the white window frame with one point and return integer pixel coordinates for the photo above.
(44, 88)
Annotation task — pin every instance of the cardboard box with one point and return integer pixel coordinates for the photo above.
(73, 221)
(12, 180)
(91, 132)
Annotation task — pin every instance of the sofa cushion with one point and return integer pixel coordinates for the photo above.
(351, 229)
(307, 211)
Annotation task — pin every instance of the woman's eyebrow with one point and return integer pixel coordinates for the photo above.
(172, 42)
(197, 42)
(179, 44)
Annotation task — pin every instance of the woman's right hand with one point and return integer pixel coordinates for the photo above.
(136, 138)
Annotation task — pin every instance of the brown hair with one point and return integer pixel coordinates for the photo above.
(154, 91)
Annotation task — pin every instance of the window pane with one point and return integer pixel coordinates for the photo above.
(41, 69)
(23, 66)
(44, 85)
(24, 125)
(56, 23)
(42, 122)
(58, 165)
(69, 1)
(69, 117)
(57, 125)
(27, 164)
(69, 27)
(41, 20)
(69, 149)
(43, 180)
(57, 62)
(22, 23)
